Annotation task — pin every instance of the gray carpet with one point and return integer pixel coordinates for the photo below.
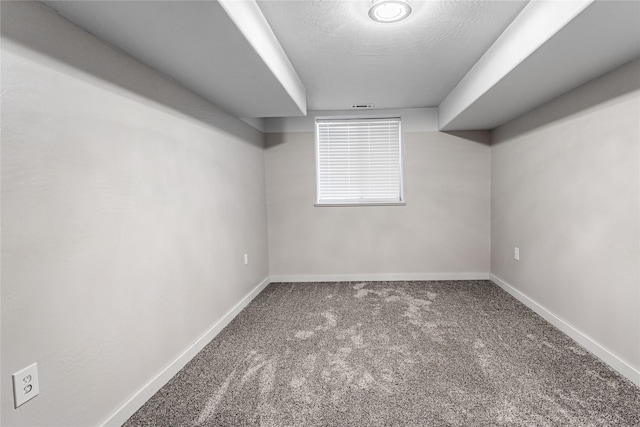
(460, 353)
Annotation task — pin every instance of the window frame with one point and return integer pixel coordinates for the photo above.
(400, 202)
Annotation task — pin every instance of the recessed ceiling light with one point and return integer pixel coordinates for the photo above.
(388, 11)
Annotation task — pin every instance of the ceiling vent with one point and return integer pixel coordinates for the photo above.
(362, 106)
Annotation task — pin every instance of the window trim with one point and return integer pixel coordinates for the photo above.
(401, 202)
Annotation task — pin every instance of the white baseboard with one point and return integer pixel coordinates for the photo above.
(378, 277)
(584, 340)
(124, 412)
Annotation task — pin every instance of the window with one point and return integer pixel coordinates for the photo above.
(359, 161)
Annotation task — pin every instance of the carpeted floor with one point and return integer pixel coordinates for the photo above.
(461, 353)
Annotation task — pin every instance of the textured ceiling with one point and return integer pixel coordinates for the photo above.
(224, 50)
(344, 58)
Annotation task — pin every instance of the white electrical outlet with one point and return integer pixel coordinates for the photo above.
(25, 384)
(516, 254)
(246, 259)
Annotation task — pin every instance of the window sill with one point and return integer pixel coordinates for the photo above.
(355, 205)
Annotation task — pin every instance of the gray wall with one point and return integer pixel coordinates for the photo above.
(127, 205)
(565, 190)
(443, 231)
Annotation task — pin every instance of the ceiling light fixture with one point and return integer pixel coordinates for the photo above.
(388, 11)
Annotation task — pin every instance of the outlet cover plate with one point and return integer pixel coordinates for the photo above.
(25, 384)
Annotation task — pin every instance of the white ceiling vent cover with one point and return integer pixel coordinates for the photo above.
(362, 106)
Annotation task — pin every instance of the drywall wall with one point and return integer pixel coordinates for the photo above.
(127, 205)
(443, 231)
(566, 191)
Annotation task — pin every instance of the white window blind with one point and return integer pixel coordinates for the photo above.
(359, 161)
